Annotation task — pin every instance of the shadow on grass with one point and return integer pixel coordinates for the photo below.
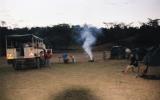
(151, 77)
(75, 94)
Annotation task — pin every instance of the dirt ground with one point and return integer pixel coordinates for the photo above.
(100, 80)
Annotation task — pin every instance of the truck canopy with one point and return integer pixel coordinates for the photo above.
(25, 37)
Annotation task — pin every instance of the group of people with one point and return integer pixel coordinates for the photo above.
(134, 58)
(134, 61)
(45, 57)
(66, 58)
(132, 55)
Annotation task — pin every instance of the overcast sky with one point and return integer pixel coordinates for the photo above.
(22, 13)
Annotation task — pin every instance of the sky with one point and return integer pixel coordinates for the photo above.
(28, 13)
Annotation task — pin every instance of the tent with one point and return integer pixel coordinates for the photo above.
(117, 52)
(152, 58)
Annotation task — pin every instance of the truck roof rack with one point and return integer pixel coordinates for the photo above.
(24, 36)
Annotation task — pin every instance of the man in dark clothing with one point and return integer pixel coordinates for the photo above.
(133, 62)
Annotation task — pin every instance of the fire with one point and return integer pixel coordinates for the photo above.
(31, 54)
(9, 56)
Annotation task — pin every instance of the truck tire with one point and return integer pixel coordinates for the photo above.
(15, 66)
(37, 62)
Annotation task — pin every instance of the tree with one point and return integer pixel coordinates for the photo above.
(153, 22)
(3, 23)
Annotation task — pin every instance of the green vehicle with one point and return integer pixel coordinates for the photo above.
(117, 52)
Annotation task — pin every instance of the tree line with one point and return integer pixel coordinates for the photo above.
(64, 36)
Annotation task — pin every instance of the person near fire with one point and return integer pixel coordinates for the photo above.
(48, 56)
(73, 59)
(65, 57)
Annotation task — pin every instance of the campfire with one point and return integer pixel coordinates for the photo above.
(91, 60)
(88, 39)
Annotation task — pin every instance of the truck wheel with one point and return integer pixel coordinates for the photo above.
(14, 64)
(37, 63)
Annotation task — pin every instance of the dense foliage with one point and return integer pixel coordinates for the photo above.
(64, 36)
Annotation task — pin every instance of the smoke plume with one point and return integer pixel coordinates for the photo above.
(88, 41)
(88, 36)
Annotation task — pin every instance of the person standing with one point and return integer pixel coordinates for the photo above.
(127, 53)
(42, 58)
(48, 57)
(73, 59)
(133, 62)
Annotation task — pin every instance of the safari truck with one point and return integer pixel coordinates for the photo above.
(24, 51)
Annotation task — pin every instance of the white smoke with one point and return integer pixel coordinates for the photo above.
(87, 36)
(88, 39)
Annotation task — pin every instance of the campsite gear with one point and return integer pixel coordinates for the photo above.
(117, 52)
(104, 55)
(152, 58)
(59, 58)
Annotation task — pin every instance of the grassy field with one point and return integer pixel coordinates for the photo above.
(100, 80)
